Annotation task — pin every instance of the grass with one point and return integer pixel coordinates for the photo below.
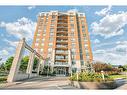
(118, 76)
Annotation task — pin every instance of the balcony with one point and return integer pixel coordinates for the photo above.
(62, 31)
(61, 63)
(63, 23)
(62, 42)
(62, 34)
(61, 51)
(62, 27)
(61, 48)
(61, 54)
(61, 60)
(64, 46)
(62, 37)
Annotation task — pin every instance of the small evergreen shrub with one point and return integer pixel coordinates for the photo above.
(90, 77)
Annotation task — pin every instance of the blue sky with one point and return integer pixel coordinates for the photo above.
(107, 26)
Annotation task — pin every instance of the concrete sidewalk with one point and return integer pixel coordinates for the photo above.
(40, 83)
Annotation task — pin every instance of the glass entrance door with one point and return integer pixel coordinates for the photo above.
(61, 71)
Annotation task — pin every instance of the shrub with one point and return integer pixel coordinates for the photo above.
(90, 77)
(3, 79)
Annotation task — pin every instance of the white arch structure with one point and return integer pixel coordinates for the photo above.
(13, 74)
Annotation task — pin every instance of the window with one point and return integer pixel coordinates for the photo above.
(38, 34)
(81, 14)
(73, 39)
(41, 50)
(71, 18)
(82, 18)
(44, 34)
(49, 49)
(83, 26)
(73, 62)
(72, 34)
(53, 16)
(45, 31)
(83, 30)
(72, 29)
(85, 39)
(44, 27)
(73, 49)
(36, 44)
(37, 40)
(42, 44)
(73, 45)
(52, 21)
(39, 31)
(51, 29)
(82, 22)
(43, 39)
(72, 25)
(71, 21)
(50, 44)
(84, 35)
(51, 39)
(51, 34)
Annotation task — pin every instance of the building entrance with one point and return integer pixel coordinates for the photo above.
(61, 71)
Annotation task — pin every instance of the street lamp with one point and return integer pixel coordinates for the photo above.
(102, 73)
(48, 66)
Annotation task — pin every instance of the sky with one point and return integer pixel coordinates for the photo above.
(107, 26)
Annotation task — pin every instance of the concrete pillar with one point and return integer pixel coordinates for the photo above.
(69, 61)
(52, 60)
(78, 65)
(30, 64)
(38, 68)
(41, 65)
(16, 62)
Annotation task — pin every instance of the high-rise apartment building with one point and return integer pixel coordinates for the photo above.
(63, 37)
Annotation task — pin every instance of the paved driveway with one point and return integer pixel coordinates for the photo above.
(54, 83)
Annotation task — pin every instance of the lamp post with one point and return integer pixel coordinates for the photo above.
(77, 74)
(102, 73)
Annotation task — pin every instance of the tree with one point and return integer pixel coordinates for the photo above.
(124, 67)
(8, 63)
(24, 63)
(36, 61)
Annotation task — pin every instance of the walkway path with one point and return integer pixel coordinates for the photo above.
(40, 83)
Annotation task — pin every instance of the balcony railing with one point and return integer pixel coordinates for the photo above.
(62, 27)
(60, 51)
(62, 23)
(61, 63)
(63, 46)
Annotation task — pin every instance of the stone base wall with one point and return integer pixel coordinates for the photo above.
(25, 76)
(93, 85)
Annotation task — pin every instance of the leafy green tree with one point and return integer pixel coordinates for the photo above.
(8, 63)
(36, 61)
(24, 63)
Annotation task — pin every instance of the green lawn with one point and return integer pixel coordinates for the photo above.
(118, 76)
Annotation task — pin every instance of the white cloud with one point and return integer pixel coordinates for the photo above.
(116, 55)
(104, 11)
(11, 43)
(96, 41)
(31, 7)
(110, 25)
(75, 10)
(4, 52)
(23, 27)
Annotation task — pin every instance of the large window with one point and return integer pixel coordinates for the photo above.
(51, 34)
(51, 29)
(50, 44)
